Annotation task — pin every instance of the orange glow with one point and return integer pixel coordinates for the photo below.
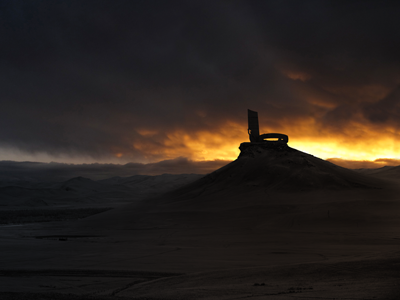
(222, 144)
(356, 144)
(356, 141)
(296, 75)
(359, 151)
(198, 146)
(146, 132)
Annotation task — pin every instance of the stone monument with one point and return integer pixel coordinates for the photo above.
(266, 140)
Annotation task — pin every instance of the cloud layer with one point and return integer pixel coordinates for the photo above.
(145, 81)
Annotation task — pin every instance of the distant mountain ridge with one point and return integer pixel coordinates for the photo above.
(44, 172)
(84, 191)
(258, 168)
(387, 172)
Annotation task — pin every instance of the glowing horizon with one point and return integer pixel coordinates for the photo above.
(224, 145)
(152, 90)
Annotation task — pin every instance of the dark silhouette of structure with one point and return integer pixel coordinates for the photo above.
(264, 140)
(254, 132)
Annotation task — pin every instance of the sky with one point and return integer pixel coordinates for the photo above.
(170, 81)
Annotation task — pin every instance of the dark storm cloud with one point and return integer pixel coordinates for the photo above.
(385, 110)
(89, 77)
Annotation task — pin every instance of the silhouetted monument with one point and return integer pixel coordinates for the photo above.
(263, 140)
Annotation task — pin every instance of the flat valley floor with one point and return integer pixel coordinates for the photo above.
(309, 245)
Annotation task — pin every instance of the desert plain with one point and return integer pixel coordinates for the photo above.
(276, 223)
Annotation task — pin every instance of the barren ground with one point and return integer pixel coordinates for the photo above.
(223, 244)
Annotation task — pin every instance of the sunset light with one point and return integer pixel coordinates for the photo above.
(168, 149)
(182, 90)
(224, 143)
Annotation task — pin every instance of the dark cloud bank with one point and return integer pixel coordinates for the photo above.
(106, 78)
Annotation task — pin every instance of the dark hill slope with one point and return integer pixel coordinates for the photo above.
(278, 169)
(274, 205)
(386, 172)
(266, 187)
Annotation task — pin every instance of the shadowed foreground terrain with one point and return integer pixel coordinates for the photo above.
(276, 223)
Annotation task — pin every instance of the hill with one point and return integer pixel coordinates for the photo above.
(268, 187)
(274, 222)
(282, 169)
(386, 172)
